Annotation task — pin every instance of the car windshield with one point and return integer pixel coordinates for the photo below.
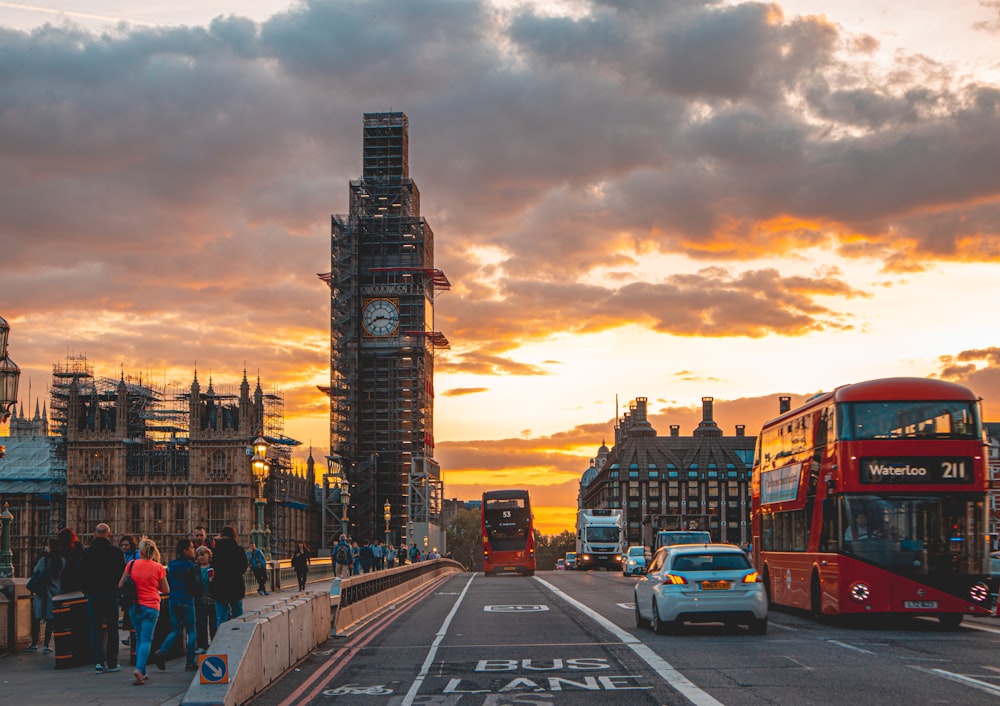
(729, 561)
(636, 551)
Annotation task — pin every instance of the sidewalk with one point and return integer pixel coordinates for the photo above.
(31, 678)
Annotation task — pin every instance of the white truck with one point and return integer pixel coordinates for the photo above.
(600, 539)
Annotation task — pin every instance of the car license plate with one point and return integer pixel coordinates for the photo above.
(715, 585)
(920, 605)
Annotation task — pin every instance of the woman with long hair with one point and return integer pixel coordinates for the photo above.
(48, 569)
(150, 580)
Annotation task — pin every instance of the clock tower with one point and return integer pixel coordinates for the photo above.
(382, 337)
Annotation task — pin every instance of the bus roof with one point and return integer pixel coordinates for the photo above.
(505, 494)
(885, 389)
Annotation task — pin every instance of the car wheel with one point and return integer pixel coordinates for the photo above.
(758, 627)
(657, 625)
(639, 622)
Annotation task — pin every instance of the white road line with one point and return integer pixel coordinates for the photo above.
(782, 627)
(795, 661)
(973, 626)
(961, 679)
(850, 647)
(432, 653)
(666, 671)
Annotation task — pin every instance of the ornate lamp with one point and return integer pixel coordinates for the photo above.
(261, 468)
(387, 514)
(9, 374)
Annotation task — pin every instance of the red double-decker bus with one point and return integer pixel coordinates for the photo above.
(508, 533)
(872, 499)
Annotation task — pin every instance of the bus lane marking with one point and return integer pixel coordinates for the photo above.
(960, 679)
(543, 684)
(514, 608)
(664, 669)
(838, 643)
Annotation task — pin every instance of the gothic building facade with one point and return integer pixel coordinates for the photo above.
(137, 459)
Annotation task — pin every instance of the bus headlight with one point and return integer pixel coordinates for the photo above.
(860, 591)
(979, 592)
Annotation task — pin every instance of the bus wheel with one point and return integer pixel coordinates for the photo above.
(950, 621)
(815, 595)
(767, 587)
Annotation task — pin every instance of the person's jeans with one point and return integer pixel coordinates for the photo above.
(181, 618)
(144, 622)
(204, 619)
(103, 611)
(227, 610)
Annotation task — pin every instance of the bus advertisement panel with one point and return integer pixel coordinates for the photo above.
(872, 499)
(508, 533)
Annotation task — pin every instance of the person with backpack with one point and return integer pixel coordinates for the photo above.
(258, 565)
(342, 558)
(185, 587)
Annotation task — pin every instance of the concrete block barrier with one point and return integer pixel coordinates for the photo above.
(262, 644)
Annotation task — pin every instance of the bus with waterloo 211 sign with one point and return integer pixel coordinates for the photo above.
(872, 499)
(508, 533)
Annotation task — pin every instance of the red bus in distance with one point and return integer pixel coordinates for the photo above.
(872, 499)
(508, 533)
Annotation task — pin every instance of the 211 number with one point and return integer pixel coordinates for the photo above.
(953, 470)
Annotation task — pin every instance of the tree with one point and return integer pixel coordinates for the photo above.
(549, 547)
(465, 541)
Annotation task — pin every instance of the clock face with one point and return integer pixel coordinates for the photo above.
(380, 317)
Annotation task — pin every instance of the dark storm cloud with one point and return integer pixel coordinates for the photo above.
(187, 174)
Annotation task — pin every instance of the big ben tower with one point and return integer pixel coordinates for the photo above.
(382, 337)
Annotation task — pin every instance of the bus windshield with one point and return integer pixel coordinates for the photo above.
(951, 419)
(926, 535)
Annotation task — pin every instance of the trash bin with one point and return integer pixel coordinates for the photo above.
(71, 629)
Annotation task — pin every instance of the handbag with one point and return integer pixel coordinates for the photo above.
(39, 581)
(130, 592)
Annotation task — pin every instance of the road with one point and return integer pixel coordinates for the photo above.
(570, 638)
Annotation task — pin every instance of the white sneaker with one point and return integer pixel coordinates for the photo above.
(99, 668)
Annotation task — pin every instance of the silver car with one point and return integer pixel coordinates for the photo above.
(701, 583)
(634, 560)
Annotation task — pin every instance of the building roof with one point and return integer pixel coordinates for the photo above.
(32, 466)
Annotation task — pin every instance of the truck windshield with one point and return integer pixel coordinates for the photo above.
(602, 534)
(668, 538)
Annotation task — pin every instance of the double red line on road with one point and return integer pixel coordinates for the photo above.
(339, 659)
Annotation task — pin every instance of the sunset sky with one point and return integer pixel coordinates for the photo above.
(661, 198)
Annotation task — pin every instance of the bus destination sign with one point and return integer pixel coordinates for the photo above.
(919, 470)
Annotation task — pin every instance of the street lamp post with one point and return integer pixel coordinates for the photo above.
(387, 514)
(345, 501)
(9, 376)
(260, 468)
